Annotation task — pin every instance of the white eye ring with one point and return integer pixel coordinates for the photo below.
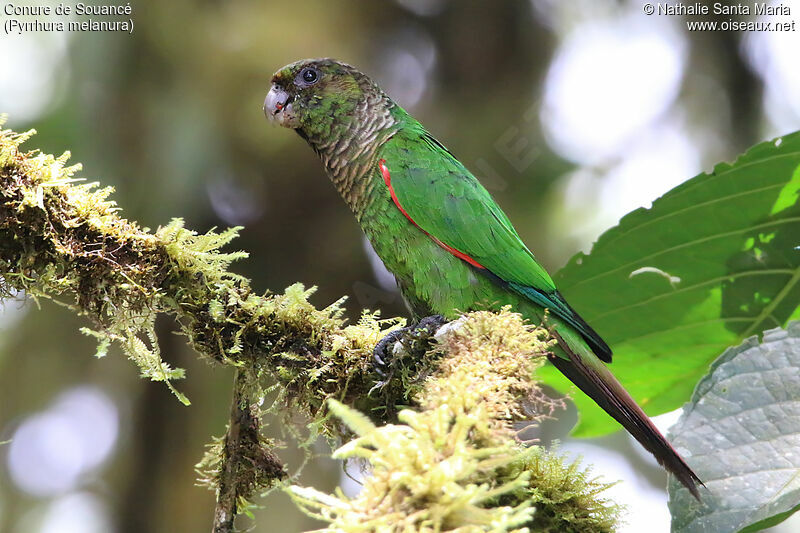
(308, 76)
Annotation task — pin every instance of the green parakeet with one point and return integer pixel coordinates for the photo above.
(448, 244)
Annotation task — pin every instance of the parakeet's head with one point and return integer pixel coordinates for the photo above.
(313, 96)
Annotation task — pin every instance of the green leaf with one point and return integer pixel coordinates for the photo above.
(714, 261)
(741, 435)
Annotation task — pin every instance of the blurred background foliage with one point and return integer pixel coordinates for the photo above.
(572, 113)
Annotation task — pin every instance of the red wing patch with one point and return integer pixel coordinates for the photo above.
(387, 179)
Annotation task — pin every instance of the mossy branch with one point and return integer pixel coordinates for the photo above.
(65, 240)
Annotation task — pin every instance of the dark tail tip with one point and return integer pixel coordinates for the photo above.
(675, 465)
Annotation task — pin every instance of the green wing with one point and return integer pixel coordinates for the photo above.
(445, 200)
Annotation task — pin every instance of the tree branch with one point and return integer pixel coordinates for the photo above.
(243, 449)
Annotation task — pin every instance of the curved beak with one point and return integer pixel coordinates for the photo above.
(275, 104)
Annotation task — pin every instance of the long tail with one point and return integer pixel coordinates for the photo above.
(602, 387)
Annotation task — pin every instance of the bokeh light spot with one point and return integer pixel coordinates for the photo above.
(609, 80)
(51, 451)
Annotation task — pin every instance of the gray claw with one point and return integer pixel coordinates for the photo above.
(383, 352)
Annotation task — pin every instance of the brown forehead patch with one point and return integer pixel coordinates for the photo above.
(283, 74)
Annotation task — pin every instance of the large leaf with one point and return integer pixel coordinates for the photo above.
(714, 261)
(741, 435)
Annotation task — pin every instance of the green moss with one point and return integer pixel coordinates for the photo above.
(567, 498)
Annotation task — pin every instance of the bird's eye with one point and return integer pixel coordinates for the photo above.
(309, 76)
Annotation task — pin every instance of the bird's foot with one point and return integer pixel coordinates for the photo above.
(412, 339)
